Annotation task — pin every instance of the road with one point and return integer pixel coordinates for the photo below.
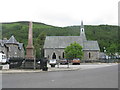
(105, 77)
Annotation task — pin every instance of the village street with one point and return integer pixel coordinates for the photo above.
(89, 76)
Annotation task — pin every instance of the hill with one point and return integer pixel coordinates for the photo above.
(106, 35)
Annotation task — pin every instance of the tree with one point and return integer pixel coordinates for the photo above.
(102, 33)
(73, 51)
(112, 49)
(39, 43)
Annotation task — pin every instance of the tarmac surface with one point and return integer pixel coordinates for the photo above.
(87, 76)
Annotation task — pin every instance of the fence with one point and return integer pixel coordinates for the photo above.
(15, 62)
(101, 61)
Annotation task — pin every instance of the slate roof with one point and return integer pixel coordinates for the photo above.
(64, 41)
(61, 41)
(2, 42)
(12, 40)
(91, 45)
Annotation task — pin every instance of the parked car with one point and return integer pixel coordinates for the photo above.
(3, 58)
(52, 62)
(63, 61)
(76, 61)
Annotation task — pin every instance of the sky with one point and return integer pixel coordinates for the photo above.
(60, 12)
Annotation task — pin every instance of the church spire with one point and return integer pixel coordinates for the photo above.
(82, 31)
(82, 26)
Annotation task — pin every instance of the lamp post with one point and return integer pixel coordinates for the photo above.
(104, 50)
(106, 57)
(40, 52)
(35, 60)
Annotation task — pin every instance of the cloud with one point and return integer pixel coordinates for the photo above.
(60, 12)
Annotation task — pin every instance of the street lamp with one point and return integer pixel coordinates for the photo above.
(40, 52)
(106, 57)
(104, 50)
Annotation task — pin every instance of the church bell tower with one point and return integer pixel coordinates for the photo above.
(82, 32)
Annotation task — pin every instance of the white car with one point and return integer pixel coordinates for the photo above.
(3, 58)
(53, 62)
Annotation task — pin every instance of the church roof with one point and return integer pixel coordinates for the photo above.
(61, 41)
(91, 45)
(64, 41)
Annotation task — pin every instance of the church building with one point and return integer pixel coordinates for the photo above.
(54, 46)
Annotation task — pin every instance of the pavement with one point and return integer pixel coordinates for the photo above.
(57, 68)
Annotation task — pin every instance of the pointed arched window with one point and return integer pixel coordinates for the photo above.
(59, 57)
(63, 55)
(54, 56)
(89, 55)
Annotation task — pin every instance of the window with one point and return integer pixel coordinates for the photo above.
(59, 57)
(48, 56)
(89, 55)
(3, 57)
(82, 30)
(63, 55)
(54, 56)
(9, 49)
(15, 52)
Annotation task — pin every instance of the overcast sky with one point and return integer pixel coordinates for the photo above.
(60, 12)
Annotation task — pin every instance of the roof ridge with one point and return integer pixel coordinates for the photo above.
(63, 36)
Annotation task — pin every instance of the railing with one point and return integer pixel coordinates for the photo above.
(15, 62)
(101, 61)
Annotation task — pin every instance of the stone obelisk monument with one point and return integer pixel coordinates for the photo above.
(30, 47)
(30, 58)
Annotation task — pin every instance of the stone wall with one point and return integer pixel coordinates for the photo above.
(49, 53)
(91, 55)
(3, 49)
(20, 52)
(14, 51)
(88, 55)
